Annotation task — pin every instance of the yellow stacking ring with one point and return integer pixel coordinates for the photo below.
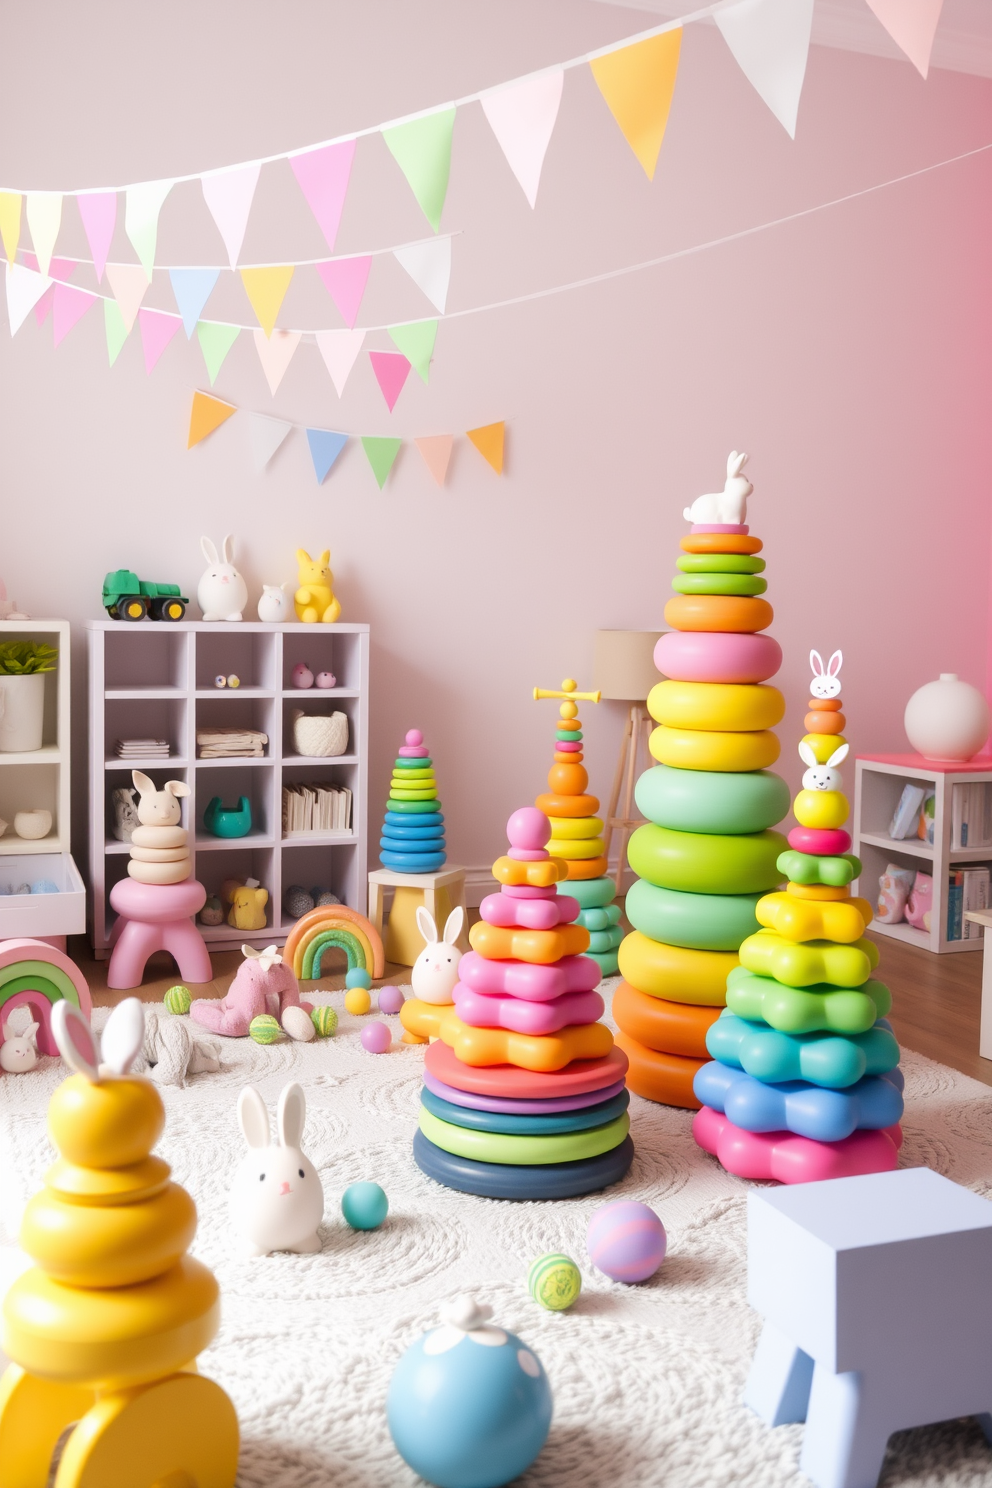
(572, 851)
(573, 829)
(824, 809)
(523, 1151)
(823, 745)
(676, 973)
(698, 749)
(716, 705)
(814, 919)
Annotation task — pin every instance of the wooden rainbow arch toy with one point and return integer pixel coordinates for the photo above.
(36, 974)
(334, 925)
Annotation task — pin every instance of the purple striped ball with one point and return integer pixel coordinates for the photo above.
(626, 1241)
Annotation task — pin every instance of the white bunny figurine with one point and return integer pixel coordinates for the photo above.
(277, 1200)
(158, 808)
(19, 1051)
(826, 681)
(822, 777)
(275, 604)
(221, 593)
(435, 971)
(726, 508)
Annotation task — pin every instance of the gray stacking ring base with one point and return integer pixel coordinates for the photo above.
(503, 1181)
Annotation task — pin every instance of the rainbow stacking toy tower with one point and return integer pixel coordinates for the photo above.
(805, 1083)
(576, 831)
(413, 830)
(523, 1092)
(706, 854)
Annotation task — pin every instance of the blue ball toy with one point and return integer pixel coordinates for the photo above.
(364, 1206)
(469, 1405)
(358, 977)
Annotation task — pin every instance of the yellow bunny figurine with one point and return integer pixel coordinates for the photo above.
(105, 1329)
(315, 596)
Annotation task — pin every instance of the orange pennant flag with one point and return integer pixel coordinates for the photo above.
(436, 452)
(638, 82)
(266, 289)
(489, 442)
(206, 415)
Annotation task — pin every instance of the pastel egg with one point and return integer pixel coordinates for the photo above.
(705, 922)
(626, 1241)
(703, 749)
(554, 1281)
(376, 1038)
(678, 972)
(178, 1000)
(731, 706)
(391, 999)
(821, 809)
(706, 863)
(325, 1020)
(265, 1029)
(718, 612)
(708, 801)
(695, 656)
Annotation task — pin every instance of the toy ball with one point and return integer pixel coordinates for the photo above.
(326, 679)
(212, 912)
(234, 680)
(364, 1206)
(555, 1281)
(357, 1001)
(626, 1241)
(220, 680)
(178, 1000)
(323, 896)
(265, 1029)
(301, 675)
(469, 1405)
(391, 999)
(358, 977)
(325, 1020)
(376, 1038)
(296, 901)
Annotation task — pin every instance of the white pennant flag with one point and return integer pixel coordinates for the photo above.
(522, 117)
(429, 266)
(340, 351)
(130, 285)
(44, 214)
(24, 289)
(229, 195)
(770, 43)
(265, 435)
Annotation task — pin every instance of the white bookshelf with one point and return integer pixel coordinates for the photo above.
(154, 679)
(878, 785)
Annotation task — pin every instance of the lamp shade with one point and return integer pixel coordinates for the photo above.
(623, 664)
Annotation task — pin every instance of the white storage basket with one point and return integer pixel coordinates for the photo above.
(320, 736)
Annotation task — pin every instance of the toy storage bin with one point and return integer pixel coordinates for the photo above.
(249, 654)
(35, 915)
(315, 704)
(147, 659)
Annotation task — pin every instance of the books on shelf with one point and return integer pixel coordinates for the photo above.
(968, 889)
(311, 809)
(906, 818)
(971, 815)
(230, 743)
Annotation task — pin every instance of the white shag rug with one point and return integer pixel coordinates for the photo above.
(647, 1380)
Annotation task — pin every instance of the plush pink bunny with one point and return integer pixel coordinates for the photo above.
(264, 983)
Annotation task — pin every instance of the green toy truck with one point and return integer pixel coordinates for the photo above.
(126, 597)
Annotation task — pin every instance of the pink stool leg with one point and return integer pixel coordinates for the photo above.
(135, 943)
(183, 941)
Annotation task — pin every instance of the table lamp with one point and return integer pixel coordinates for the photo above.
(624, 671)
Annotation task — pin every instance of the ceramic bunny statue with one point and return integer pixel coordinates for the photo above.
(726, 508)
(315, 599)
(435, 971)
(19, 1051)
(275, 604)
(222, 593)
(277, 1200)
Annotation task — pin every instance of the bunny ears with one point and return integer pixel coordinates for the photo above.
(452, 926)
(809, 758)
(833, 665)
(253, 1116)
(121, 1043)
(210, 552)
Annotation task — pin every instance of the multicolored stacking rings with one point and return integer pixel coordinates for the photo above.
(412, 838)
(524, 1092)
(706, 854)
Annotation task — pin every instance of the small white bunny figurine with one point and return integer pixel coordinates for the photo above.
(19, 1051)
(222, 593)
(435, 971)
(726, 508)
(826, 680)
(158, 808)
(275, 605)
(277, 1200)
(822, 777)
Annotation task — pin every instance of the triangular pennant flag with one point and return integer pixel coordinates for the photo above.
(69, 305)
(429, 266)
(340, 350)
(44, 214)
(130, 285)
(638, 82)
(436, 451)
(391, 371)
(266, 289)
(345, 280)
(141, 208)
(117, 332)
(770, 43)
(43, 308)
(215, 342)
(192, 289)
(206, 415)
(157, 330)
(10, 222)
(228, 195)
(522, 118)
(98, 210)
(380, 454)
(265, 435)
(275, 353)
(912, 24)
(60, 269)
(24, 289)
(422, 150)
(325, 446)
(416, 342)
(488, 440)
(323, 176)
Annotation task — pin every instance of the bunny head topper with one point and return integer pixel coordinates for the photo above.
(726, 508)
(120, 1045)
(822, 777)
(435, 971)
(158, 808)
(826, 680)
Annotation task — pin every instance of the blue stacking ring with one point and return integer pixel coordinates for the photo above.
(531, 1126)
(411, 863)
(418, 819)
(503, 1181)
(412, 834)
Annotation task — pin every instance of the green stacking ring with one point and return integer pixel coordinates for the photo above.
(819, 1008)
(717, 583)
(573, 736)
(411, 777)
(592, 893)
(704, 863)
(738, 563)
(807, 868)
(412, 764)
(393, 804)
(412, 795)
(701, 922)
(523, 1151)
(712, 801)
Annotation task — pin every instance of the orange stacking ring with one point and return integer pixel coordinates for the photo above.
(719, 612)
(821, 722)
(720, 542)
(668, 1027)
(666, 1078)
(819, 891)
(585, 868)
(567, 805)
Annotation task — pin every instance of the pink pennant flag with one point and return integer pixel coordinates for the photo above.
(229, 194)
(340, 351)
(345, 280)
(391, 369)
(323, 176)
(275, 353)
(912, 24)
(43, 307)
(59, 268)
(436, 452)
(129, 283)
(98, 209)
(69, 305)
(157, 330)
(522, 117)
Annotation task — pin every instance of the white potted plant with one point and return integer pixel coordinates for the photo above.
(22, 693)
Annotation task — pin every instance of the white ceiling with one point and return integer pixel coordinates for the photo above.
(963, 42)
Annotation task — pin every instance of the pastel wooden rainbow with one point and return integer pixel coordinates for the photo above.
(35, 974)
(334, 925)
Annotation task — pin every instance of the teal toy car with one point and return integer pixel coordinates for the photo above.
(126, 597)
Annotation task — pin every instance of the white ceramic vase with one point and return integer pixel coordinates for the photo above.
(22, 712)
(947, 720)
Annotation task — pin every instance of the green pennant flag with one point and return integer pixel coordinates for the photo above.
(422, 150)
(113, 322)
(380, 454)
(215, 342)
(416, 342)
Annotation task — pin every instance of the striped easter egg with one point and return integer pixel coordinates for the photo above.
(325, 1020)
(554, 1281)
(626, 1241)
(265, 1029)
(178, 1000)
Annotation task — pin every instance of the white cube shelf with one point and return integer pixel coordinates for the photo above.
(155, 679)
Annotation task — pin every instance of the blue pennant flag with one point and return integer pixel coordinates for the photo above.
(192, 289)
(325, 446)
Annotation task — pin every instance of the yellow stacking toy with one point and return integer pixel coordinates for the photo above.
(706, 854)
(104, 1331)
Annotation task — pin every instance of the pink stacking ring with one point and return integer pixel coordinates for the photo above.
(822, 842)
(717, 656)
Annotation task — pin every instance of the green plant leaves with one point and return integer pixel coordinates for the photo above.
(21, 658)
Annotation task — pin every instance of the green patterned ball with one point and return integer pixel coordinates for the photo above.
(325, 1020)
(554, 1281)
(265, 1029)
(178, 1000)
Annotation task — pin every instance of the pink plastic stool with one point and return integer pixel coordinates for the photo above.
(157, 917)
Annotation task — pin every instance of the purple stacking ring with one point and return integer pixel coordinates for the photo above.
(508, 1107)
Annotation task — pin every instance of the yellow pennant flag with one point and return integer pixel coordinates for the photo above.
(206, 415)
(266, 288)
(488, 440)
(10, 222)
(638, 82)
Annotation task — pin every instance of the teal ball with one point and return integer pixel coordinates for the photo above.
(364, 1206)
(358, 977)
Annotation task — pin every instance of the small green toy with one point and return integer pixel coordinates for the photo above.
(178, 1000)
(228, 821)
(126, 597)
(265, 1029)
(554, 1281)
(325, 1020)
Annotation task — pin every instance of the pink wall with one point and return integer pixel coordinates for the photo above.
(848, 351)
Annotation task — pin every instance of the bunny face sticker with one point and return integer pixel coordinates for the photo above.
(826, 680)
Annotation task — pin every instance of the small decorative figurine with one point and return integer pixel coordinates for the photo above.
(228, 821)
(263, 984)
(212, 912)
(326, 679)
(301, 675)
(159, 845)
(19, 1051)
(726, 508)
(248, 901)
(315, 599)
(221, 593)
(275, 604)
(277, 1200)
(435, 971)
